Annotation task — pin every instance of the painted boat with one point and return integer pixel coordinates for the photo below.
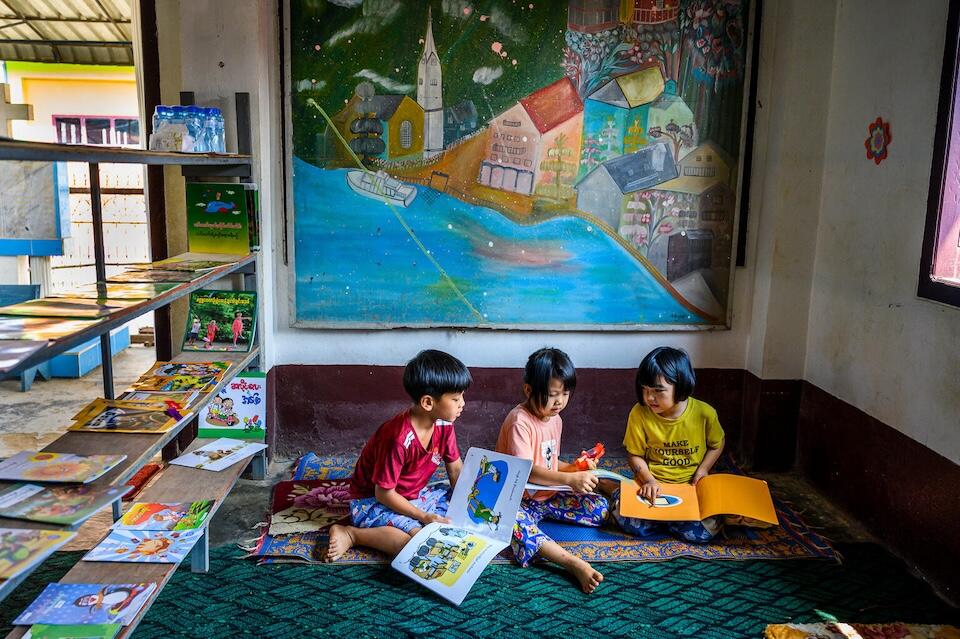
(380, 186)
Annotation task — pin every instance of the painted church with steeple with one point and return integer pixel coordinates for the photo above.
(430, 93)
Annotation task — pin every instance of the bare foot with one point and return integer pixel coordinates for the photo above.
(588, 577)
(341, 540)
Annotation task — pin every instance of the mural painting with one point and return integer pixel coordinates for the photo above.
(550, 165)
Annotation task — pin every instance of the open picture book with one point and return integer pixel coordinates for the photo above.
(719, 494)
(448, 558)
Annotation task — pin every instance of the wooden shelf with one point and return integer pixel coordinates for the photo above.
(49, 152)
(140, 448)
(175, 484)
(121, 316)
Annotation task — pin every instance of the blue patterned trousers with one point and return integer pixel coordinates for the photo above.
(586, 510)
(370, 513)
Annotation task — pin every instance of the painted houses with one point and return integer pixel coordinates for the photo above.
(615, 116)
(607, 190)
(702, 196)
(524, 140)
(649, 11)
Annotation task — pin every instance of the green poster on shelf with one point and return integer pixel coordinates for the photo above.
(217, 219)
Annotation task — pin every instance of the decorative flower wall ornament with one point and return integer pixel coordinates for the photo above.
(878, 141)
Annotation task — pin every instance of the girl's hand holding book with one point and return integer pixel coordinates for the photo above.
(582, 481)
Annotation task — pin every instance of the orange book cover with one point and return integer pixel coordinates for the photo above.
(720, 494)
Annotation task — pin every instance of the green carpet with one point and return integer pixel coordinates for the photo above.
(679, 598)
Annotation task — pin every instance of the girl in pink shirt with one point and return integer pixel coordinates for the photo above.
(532, 431)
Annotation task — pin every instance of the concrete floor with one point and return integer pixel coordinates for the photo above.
(29, 421)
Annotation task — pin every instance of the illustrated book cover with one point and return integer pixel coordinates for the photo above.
(22, 548)
(217, 220)
(167, 516)
(61, 505)
(219, 454)
(145, 546)
(64, 604)
(448, 558)
(147, 275)
(110, 291)
(124, 416)
(67, 307)
(239, 409)
(57, 467)
(197, 261)
(719, 494)
(221, 321)
(42, 328)
(181, 376)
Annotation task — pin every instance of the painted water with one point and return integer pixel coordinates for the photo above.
(356, 265)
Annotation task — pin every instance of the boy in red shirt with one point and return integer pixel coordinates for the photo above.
(391, 502)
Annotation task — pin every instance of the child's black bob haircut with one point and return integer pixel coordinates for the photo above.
(673, 365)
(434, 373)
(544, 365)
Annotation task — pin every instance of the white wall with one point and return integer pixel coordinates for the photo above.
(872, 342)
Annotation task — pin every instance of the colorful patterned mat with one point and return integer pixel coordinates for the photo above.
(791, 540)
(838, 630)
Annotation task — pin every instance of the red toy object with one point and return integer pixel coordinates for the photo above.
(594, 453)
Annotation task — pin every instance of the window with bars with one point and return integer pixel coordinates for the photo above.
(101, 130)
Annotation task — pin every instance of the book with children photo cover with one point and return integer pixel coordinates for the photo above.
(448, 558)
(221, 321)
(719, 494)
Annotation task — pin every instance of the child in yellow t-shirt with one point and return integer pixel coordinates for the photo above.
(671, 438)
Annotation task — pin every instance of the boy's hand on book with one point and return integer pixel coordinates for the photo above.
(582, 482)
(429, 518)
(650, 490)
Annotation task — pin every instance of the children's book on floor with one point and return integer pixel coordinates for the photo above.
(448, 558)
(221, 321)
(124, 416)
(718, 494)
(73, 631)
(219, 454)
(22, 548)
(170, 516)
(239, 409)
(57, 467)
(61, 505)
(217, 219)
(63, 604)
(145, 546)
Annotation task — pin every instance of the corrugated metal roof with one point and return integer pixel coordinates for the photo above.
(68, 31)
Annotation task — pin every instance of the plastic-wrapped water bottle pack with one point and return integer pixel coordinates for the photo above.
(188, 129)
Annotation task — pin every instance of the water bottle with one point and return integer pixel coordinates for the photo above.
(210, 131)
(221, 138)
(161, 116)
(193, 119)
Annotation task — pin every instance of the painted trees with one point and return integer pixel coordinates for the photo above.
(559, 170)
